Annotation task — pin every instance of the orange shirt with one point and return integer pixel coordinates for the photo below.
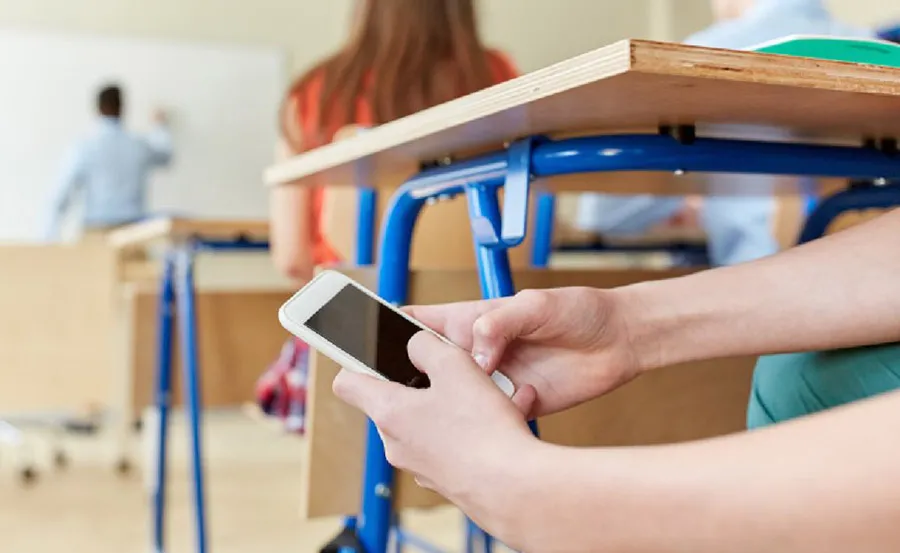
(307, 101)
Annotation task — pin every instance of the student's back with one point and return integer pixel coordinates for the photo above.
(404, 56)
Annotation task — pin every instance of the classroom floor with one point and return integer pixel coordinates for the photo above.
(254, 488)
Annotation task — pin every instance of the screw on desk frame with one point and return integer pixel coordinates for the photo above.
(684, 134)
(383, 491)
(435, 163)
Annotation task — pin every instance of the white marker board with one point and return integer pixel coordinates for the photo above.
(223, 99)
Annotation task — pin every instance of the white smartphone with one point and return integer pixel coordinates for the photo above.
(360, 331)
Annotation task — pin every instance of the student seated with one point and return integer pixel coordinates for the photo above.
(402, 57)
(738, 228)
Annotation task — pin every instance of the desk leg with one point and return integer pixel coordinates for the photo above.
(191, 381)
(365, 231)
(365, 255)
(542, 247)
(166, 313)
(374, 523)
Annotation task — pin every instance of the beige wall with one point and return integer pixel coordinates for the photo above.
(535, 32)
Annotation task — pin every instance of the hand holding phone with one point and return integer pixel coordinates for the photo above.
(360, 331)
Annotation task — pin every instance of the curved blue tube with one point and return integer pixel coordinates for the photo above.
(853, 199)
(709, 155)
(374, 525)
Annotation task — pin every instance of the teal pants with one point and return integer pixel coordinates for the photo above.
(797, 384)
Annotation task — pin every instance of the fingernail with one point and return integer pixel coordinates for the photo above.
(481, 359)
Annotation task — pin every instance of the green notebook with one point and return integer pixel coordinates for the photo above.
(854, 50)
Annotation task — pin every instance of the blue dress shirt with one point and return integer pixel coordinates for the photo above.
(111, 167)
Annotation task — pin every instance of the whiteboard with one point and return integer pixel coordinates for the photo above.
(223, 101)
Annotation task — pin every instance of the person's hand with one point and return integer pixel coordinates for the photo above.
(461, 437)
(570, 344)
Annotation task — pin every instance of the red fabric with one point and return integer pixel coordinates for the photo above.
(281, 391)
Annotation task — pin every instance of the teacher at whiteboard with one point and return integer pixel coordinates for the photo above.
(111, 167)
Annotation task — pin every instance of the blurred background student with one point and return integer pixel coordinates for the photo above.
(403, 56)
(738, 228)
(112, 167)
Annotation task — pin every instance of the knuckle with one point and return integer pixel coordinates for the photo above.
(536, 299)
(486, 326)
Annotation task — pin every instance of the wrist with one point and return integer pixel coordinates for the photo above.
(657, 325)
(528, 481)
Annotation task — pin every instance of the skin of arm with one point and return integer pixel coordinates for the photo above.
(820, 484)
(815, 485)
(290, 216)
(289, 213)
(833, 293)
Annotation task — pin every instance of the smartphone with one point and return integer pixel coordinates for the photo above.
(360, 331)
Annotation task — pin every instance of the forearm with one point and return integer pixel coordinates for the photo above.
(821, 484)
(837, 292)
(291, 232)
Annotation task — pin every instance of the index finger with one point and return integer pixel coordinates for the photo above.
(368, 394)
(452, 320)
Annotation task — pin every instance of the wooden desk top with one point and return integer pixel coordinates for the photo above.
(629, 84)
(173, 230)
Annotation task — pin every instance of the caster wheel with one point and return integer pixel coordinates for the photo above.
(28, 475)
(123, 467)
(60, 460)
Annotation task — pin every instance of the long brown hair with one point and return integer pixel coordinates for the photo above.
(406, 55)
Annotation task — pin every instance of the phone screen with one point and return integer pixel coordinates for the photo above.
(371, 333)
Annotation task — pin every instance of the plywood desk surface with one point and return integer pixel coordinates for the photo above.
(629, 84)
(175, 229)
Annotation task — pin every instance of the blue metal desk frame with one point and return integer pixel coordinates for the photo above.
(494, 233)
(177, 298)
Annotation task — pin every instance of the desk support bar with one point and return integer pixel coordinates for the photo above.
(166, 314)
(187, 318)
(365, 229)
(544, 219)
(493, 262)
